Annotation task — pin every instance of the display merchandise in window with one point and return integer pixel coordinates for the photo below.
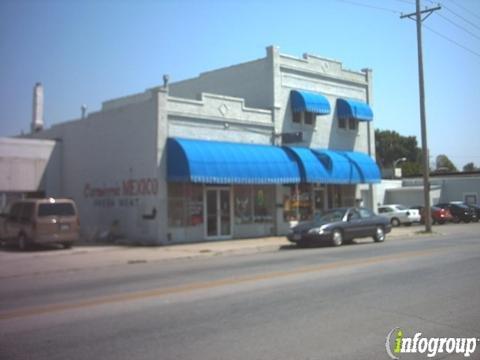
(264, 202)
(185, 204)
(243, 205)
(298, 203)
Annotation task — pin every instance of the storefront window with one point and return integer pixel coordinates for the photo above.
(254, 204)
(263, 206)
(185, 204)
(348, 195)
(195, 204)
(334, 196)
(243, 205)
(298, 203)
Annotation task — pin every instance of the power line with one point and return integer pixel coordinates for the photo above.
(465, 9)
(427, 27)
(452, 41)
(405, 1)
(462, 17)
(370, 6)
(459, 26)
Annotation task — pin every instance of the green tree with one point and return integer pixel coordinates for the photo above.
(391, 146)
(443, 163)
(470, 167)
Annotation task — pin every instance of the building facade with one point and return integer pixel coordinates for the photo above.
(237, 152)
(444, 188)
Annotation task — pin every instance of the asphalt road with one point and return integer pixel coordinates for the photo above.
(319, 303)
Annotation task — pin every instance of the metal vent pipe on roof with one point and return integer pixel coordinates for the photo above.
(37, 109)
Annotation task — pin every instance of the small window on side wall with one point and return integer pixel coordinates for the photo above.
(352, 124)
(309, 118)
(297, 117)
(342, 123)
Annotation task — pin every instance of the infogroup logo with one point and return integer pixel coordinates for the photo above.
(397, 343)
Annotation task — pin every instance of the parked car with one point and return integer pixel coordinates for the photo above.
(475, 208)
(339, 225)
(439, 215)
(459, 211)
(40, 221)
(399, 214)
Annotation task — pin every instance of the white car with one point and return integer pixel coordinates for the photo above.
(399, 214)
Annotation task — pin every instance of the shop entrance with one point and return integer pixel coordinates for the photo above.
(218, 213)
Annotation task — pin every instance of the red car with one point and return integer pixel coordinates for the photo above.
(439, 215)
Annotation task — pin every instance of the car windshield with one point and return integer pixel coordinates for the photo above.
(330, 216)
(401, 207)
(58, 209)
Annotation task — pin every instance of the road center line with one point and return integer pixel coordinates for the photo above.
(160, 292)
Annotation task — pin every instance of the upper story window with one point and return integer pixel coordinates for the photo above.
(297, 117)
(348, 124)
(307, 105)
(304, 117)
(309, 118)
(350, 112)
(352, 124)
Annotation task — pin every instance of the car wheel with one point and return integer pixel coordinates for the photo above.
(441, 222)
(379, 235)
(337, 237)
(67, 245)
(22, 242)
(395, 222)
(466, 221)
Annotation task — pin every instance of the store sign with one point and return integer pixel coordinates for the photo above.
(130, 187)
(125, 195)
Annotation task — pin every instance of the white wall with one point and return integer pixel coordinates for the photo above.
(250, 81)
(24, 164)
(220, 118)
(110, 161)
(454, 187)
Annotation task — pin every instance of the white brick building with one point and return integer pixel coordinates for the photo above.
(182, 162)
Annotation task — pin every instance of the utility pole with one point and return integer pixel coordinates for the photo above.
(423, 121)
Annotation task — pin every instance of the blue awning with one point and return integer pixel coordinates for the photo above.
(349, 108)
(311, 168)
(308, 101)
(349, 167)
(335, 167)
(216, 162)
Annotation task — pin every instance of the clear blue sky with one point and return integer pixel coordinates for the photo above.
(86, 52)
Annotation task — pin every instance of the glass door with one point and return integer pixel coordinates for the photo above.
(212, 213)
(218, 212)
(225, 218)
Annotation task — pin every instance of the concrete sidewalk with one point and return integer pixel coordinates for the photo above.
(87, 257)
